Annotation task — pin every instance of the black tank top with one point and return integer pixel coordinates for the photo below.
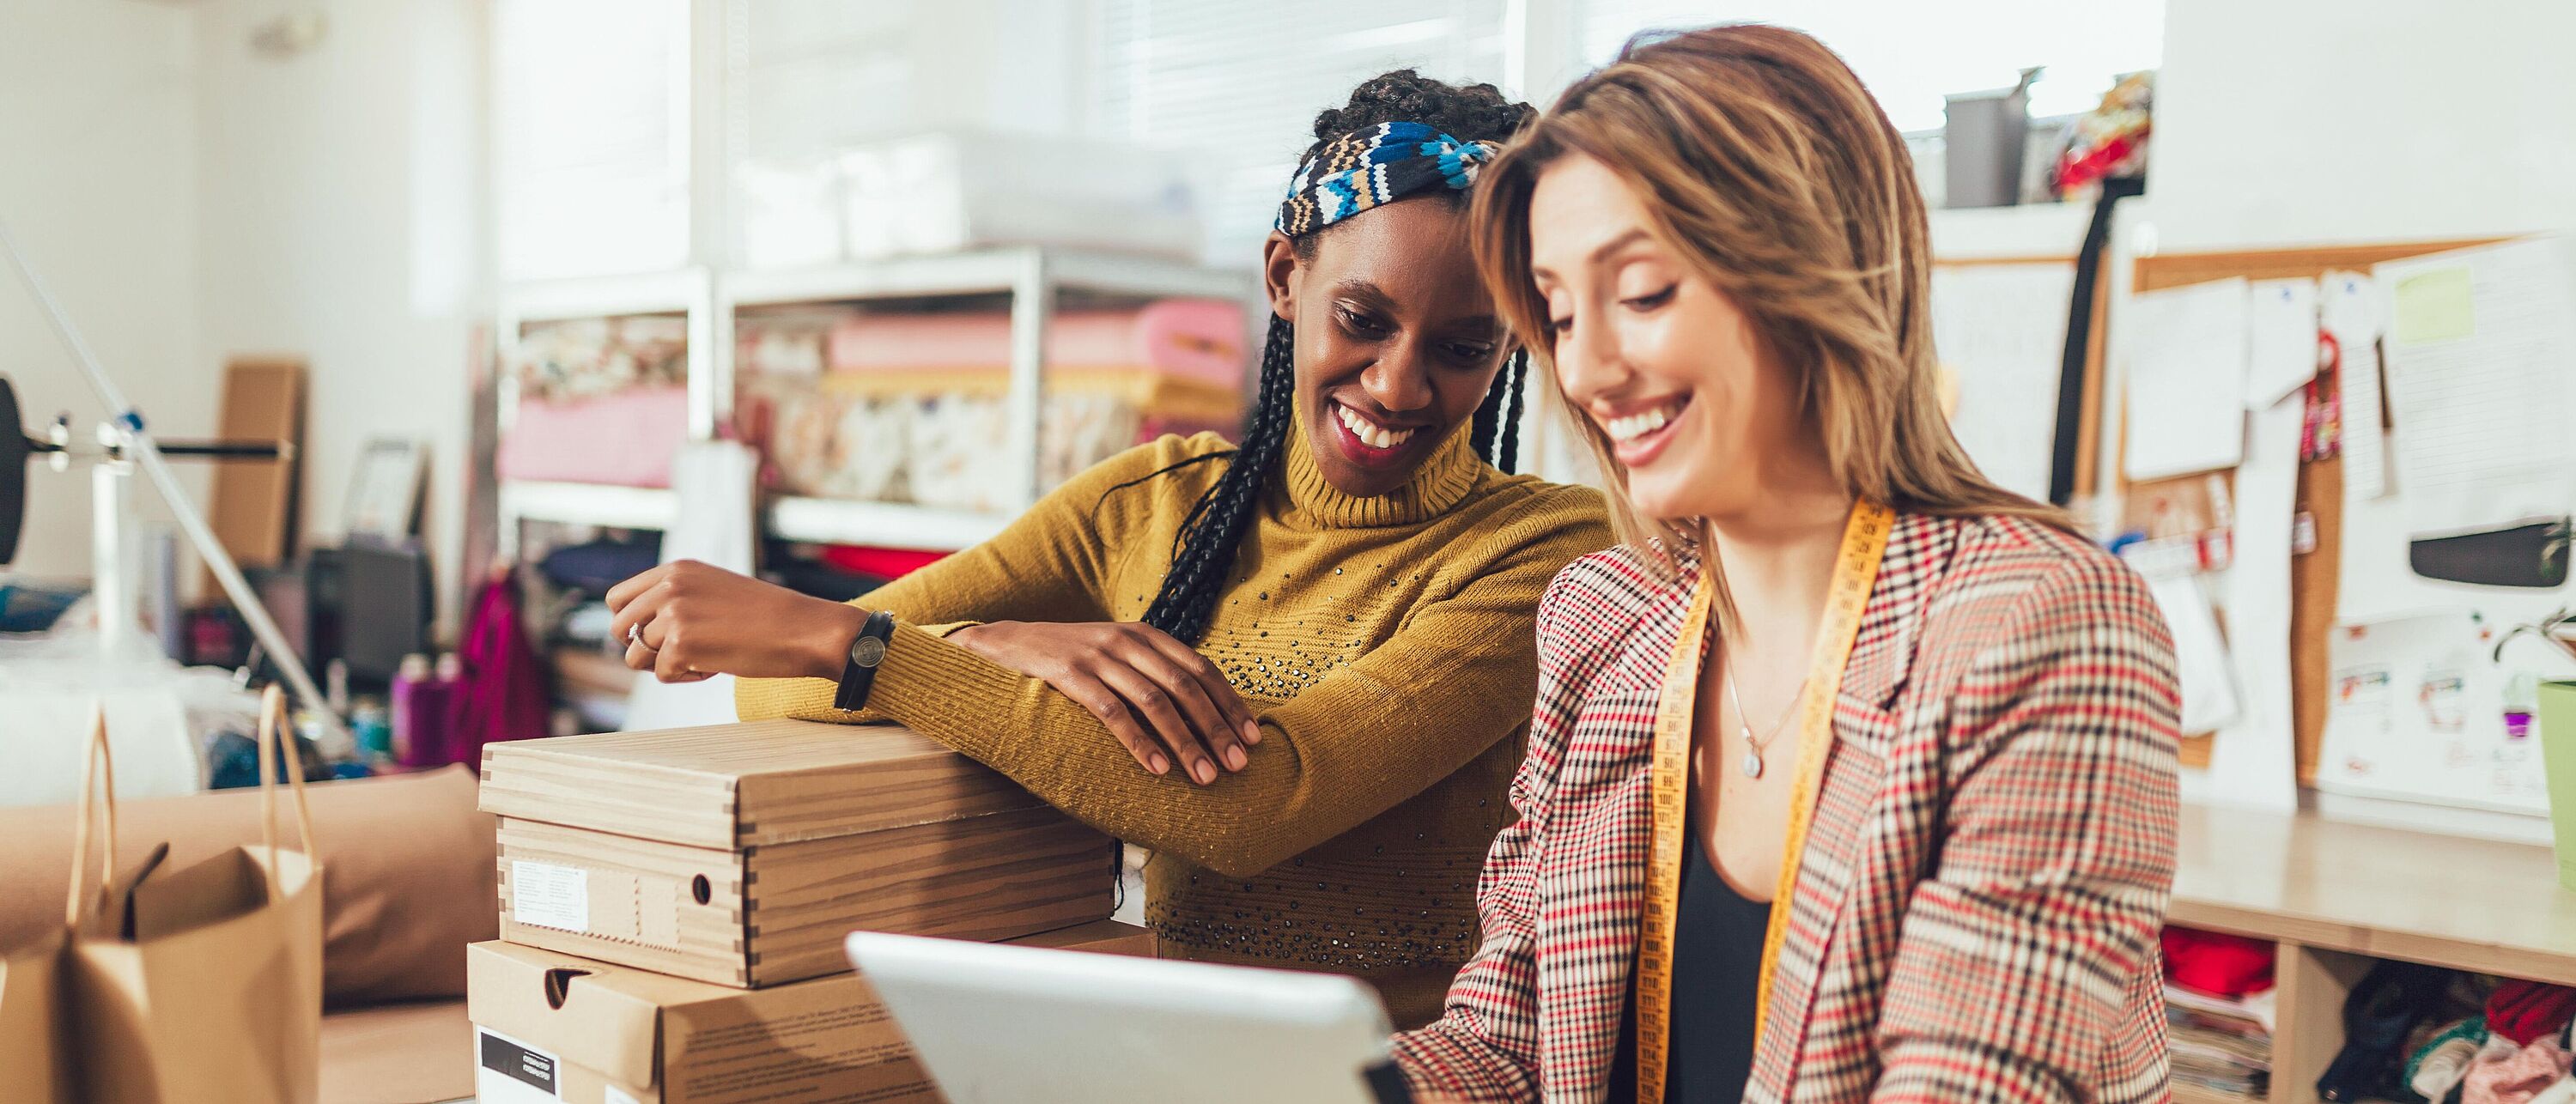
(1717, 973)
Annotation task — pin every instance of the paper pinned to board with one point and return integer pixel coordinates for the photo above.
(2253, 761)
(2187, 379)
(2281, 340)
(2481, 368)
(2434, 304)
(2200, 653)
(2002, 329)
(2348, 312)
(2417, 709)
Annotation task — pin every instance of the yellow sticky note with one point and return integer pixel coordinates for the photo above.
(2432, 306)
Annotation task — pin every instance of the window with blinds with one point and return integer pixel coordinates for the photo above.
(816, 77)
(591, 136)
(1237, 86)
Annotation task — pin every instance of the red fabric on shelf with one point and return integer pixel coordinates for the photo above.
(884, 563)
(2526, 1010)
(2217, 964)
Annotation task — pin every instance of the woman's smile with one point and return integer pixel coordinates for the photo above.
(1639, 432)
(1370, 442)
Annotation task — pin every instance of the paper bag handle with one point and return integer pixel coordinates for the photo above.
(272, 717)
(97, 804)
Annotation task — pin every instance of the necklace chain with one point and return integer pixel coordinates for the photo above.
(1744, 724)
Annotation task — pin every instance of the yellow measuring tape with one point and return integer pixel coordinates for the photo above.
(1855, 570)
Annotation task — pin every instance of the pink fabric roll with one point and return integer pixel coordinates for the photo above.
(1199, 339)
(625, 439)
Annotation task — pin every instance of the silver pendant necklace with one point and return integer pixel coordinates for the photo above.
(1753, 748)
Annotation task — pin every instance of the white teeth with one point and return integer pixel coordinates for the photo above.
(1370, 433)
(1632, 426)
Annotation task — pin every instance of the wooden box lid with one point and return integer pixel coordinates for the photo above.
(742, 785)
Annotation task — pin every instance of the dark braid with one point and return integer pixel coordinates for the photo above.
(1499, 416)
(1203, 551)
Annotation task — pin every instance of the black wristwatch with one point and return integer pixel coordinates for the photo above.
(866, 652)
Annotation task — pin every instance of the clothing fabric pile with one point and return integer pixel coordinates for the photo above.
(2418, 1034)
(592, 357)
(2219, 1005)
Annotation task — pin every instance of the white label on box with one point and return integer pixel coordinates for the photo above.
(507, 1071)
(611, 1094)
(549, 895)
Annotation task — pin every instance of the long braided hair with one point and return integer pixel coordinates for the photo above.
(1203, 551)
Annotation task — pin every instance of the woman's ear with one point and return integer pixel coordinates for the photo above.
(1279, 275)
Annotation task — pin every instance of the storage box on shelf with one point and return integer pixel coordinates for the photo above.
(2336, 897)
(740, 854)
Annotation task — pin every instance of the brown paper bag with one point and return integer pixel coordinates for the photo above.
(35, 1027)
(35, 1035)
(33, 1066)
(205, 983)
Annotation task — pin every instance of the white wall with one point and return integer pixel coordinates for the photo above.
(343, 196)
(2316, 121)
(97, 181)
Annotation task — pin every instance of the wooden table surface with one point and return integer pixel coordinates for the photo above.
(2469, 904)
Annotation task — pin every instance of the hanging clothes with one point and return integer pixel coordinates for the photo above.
(503, 694)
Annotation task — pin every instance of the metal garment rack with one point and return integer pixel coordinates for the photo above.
(130, 445)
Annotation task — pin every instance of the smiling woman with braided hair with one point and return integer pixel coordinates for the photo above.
(1299, 668)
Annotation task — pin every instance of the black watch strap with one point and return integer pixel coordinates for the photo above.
(859, 675)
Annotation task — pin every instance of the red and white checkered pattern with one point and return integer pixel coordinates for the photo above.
(1977, 908)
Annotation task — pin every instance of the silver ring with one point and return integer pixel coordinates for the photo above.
(635, 634)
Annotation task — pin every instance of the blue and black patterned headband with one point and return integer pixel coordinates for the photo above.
(1373, 167)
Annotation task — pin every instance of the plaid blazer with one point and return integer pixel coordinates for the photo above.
(1977, 907)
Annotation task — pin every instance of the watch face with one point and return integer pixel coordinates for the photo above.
(867, 651)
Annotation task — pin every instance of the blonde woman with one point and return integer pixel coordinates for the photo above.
(1851, 774)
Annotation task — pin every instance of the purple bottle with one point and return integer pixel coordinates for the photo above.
(419, 715)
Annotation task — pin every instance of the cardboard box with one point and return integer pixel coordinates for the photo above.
(551, 1027)
(741, 854)
(554, 1027)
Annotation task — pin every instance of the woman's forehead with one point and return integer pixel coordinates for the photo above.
(1415, 252)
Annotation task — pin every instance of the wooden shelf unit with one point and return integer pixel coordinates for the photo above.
(2337, 897)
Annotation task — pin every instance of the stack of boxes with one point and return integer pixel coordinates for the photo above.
(673, 905)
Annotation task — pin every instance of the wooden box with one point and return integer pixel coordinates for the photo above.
(742, 854)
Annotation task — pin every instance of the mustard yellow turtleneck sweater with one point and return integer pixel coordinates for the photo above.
(1385, 645)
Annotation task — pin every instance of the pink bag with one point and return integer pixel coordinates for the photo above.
(503, 695)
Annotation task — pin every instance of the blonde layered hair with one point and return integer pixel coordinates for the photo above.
(1770, 171)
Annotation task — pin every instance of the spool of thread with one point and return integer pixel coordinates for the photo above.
(372, 724)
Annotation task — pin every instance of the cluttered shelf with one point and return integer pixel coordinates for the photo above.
(790, 517)
(2469, 904)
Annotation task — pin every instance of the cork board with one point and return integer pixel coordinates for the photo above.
(2314, 576)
